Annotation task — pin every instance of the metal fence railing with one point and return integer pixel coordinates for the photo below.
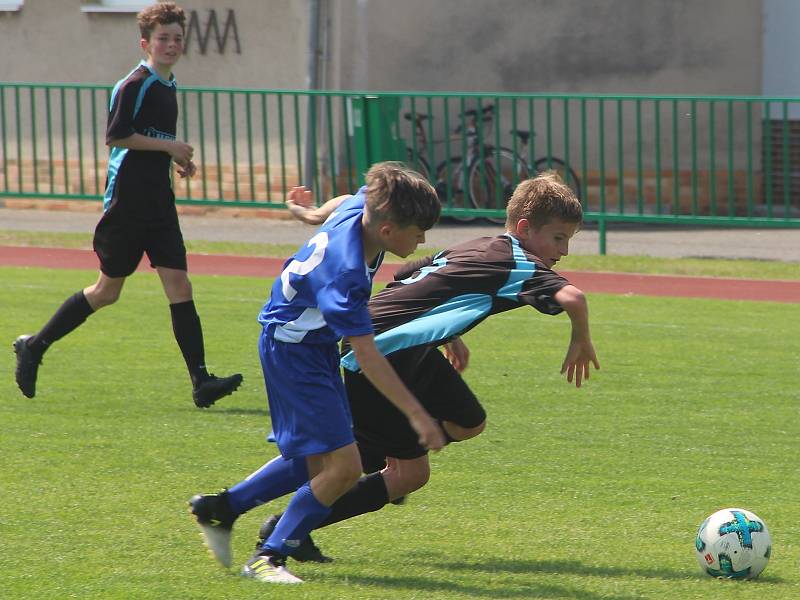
(701, 160)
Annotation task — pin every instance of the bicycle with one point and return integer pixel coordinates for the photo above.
(489, 187)
(417, 159)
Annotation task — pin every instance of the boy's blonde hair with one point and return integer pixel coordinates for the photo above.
(401, 196)
(542, 199)
(161, 13)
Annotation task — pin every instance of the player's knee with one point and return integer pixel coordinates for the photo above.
(405, 477)
(457, 433)
(348, 474)
(100, 297)
(418, 478)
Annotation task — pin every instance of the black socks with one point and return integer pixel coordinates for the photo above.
(189, 335)
(368, 495)
(74, 311)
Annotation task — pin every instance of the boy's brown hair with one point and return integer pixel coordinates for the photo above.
(161, 13)
(542, 199)
(400, 195)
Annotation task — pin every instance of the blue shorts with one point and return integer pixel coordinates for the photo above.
(307, 400)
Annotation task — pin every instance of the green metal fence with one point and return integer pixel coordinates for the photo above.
(719, 161)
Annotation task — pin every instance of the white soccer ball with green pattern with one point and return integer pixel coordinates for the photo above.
(733, 543)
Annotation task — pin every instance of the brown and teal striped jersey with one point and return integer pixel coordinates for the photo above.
(442, 296)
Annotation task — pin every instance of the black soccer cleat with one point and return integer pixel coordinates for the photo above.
(208, 391)
(307, 551)
(27, 366)
(214, 516)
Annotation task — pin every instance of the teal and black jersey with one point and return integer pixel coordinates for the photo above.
(139, 181)
(445, 295)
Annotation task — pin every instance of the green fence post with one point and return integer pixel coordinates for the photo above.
(601, 230)
(374, 128)
(359, 133)
(383, 129)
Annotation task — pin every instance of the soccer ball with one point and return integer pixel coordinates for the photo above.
(733, 543)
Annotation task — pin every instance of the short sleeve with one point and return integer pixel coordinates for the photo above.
(123, 109)
(539, 290)
(343, 304)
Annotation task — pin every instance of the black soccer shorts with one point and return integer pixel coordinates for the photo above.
(381, 428)
(120, 242)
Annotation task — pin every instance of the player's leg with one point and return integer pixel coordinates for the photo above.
(167, 254)
(381, 429)
(333, 474)
(216, 513)
(206, 388)
(311, 418)
(119, 251)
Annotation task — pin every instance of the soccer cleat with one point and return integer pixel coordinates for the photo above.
(269, 568)
(307, 551)
(215, 519)
(212, 389)
(27, 366)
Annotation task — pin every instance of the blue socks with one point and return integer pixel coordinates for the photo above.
(275, 479)
(302, 515)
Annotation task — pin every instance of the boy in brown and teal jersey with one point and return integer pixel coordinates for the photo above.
(139, 209)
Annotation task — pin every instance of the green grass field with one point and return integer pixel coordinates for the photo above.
(590, 494)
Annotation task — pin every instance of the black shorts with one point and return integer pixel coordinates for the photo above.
(382, 430)
(120, 242)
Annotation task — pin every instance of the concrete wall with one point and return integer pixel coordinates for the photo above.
(612, 46)
(54, 41)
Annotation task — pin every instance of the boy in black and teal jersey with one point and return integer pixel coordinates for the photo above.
(418, 320)
(139, 209)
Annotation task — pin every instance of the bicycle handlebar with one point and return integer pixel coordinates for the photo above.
(418, 117)
(487, 112)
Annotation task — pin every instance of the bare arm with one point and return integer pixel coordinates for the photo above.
(300, 203)
(580, 353)
(381, 374)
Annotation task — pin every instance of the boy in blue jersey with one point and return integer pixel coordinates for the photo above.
(320, 297)
(139, 210)
(429, 305)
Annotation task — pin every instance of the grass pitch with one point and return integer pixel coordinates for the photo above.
(590, 494)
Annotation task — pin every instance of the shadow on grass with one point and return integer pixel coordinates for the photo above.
(574, 567)
(524, 589)
(220, 410)
(521, 590)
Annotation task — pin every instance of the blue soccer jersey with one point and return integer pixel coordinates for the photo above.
(322, 293)
(320, 297)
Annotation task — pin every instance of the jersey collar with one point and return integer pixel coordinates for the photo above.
(168, 82)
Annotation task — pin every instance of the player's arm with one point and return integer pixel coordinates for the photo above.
(300, 203)
(181, 152)
(580, 353)
(381, 374)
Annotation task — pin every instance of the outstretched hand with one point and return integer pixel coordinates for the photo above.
(580, 355)
(300, 197)
(299, 202)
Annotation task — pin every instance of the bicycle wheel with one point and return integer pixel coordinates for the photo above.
(490, 186)
(450, 188)
(418, 162)
(567, 175)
